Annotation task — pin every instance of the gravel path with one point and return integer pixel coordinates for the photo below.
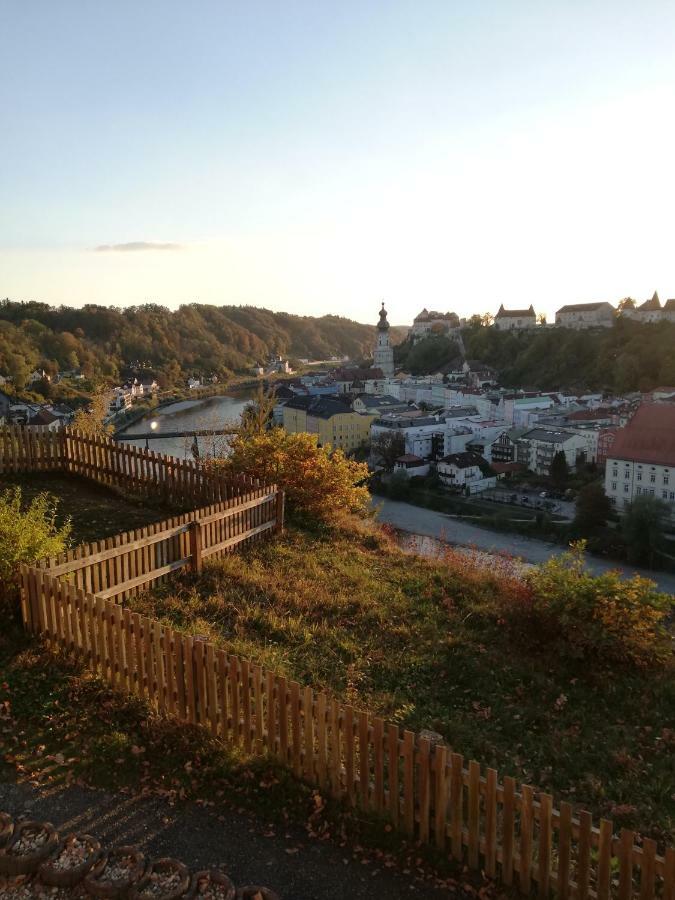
(418, 520)
(249, 850)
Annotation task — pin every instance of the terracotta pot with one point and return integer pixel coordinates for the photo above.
(6, 828)
(50, 874)
(166, 866)
(215, 877)
(13, 863)
(99, 887)
(252, 890)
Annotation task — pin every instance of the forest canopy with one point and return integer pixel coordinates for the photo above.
(102, 341)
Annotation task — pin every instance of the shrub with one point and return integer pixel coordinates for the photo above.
(26, 535)
(592, 617)
(319, 482)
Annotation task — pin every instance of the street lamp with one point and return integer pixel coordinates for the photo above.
(153, 427)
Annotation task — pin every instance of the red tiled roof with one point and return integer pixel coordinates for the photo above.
(649, 437)
(502, 468)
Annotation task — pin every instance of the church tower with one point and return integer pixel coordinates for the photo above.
(383, 356)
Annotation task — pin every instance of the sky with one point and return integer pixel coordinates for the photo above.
(318, 157)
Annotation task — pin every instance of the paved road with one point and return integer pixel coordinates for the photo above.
(250, 851)
(418, 520)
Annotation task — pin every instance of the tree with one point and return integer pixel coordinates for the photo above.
(257, 415)
(385, 449)
(91, 420)
(643, 528)
(559, 470)
(319, 482)
(593, 509)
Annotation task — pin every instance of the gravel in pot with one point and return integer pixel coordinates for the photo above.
(255, 892)
(115, 873)
(164, 879)
(74, 857)
(6, 828)
(30, 845)
(212, 884)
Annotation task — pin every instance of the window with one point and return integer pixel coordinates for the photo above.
(625, 488)
(664, 494)
(639, 476)
(626, 474)
(638, 490)
(672, 495)
(614, 485)
(666, 479)
(652, 478)
(615, 472)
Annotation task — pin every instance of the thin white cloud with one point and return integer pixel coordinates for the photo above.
(136, 246)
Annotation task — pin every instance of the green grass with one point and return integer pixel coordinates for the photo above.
(416, 641)
(95, 511)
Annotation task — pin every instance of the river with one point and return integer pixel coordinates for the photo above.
(188, 415)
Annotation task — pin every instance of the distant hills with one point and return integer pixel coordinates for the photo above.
(194, 339)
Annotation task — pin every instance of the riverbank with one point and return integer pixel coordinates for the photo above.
(417, 520)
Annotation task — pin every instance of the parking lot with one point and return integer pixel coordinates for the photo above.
(549, 501)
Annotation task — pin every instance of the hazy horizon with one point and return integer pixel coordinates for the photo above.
(316, 160)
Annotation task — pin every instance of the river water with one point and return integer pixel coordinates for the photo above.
(188, 415)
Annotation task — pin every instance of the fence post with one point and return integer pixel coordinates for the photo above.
(279, 526)
(196, 545)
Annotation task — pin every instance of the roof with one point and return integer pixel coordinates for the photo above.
(428, 315)
(43, 417)
(373, 401)
(358, 374)
(502, 468)
(652, 303)
(547, 435)
(409, 458)
(669, 305)
(584, 307)
(649, 437)
(512, 313)
(327, 407)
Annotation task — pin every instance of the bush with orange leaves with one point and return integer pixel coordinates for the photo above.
(605, 618)
(320, 483)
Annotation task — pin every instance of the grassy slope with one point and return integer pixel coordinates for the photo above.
(95, 512)
(408, 638)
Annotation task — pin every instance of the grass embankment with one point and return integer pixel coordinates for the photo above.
(418, 642)
(95, 511)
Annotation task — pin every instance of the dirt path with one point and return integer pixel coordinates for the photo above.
(249, 850)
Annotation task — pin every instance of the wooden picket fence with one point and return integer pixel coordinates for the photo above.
(424, 789)
(120, 466)
(123, 566)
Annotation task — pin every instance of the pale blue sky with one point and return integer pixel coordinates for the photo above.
(315, 157)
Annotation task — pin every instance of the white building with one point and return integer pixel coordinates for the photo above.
(515, 319)
(423, 435)
(641, 461)
(383, 355)
(466, 472)
(537, 448)
(585, 315)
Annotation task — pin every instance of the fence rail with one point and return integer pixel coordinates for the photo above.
(426, 790)
(120, 466)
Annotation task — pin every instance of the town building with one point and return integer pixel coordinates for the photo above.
(585, 315)
(383, 355)
(430, 322)
(504, 447)
(467, 472)
(537, 447)
(423, 435)
(642, 458)
(515, 319)
(413, 466)
(331, 420)
(376, 404)
(45, 419)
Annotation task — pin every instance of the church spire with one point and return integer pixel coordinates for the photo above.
(383, 325)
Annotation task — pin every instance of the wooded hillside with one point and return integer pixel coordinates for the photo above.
(193, 339)
(629, 356)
